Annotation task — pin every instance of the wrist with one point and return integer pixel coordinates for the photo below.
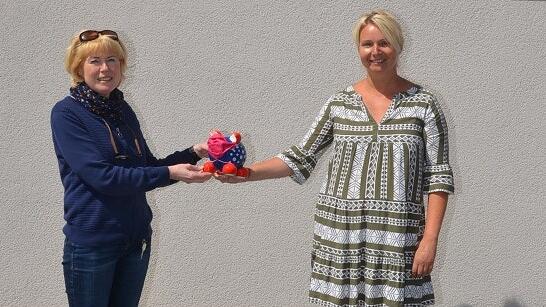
(170, 171)
(431, 239)
(251, 174)
(193, 151)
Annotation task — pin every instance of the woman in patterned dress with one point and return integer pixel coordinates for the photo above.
(372, 244)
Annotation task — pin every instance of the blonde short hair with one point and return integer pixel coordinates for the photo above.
(77, 52)
(386, 23)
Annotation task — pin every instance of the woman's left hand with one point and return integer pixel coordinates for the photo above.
(229, 178)
(202, 150)
(423, 260)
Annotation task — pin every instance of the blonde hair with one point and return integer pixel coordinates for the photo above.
(386, 23)
(77, 52)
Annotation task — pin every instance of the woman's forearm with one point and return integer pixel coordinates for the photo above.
(269, 169)
(437, 203)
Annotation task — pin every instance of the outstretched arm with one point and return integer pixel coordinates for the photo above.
(267, 169)
(188, 173)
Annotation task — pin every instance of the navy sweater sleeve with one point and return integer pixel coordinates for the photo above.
(79, 150)
(178, 157)
(185, 156)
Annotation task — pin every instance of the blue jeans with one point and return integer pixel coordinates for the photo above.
(106, 275)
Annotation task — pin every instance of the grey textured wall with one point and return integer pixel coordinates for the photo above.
(265, 68)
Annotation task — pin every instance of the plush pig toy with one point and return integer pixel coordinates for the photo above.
(227, 155)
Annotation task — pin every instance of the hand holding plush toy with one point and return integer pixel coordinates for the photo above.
(227, 155)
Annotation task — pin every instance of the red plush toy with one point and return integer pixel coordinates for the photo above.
(227, 155)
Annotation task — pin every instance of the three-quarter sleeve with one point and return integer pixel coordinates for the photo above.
(302, 158)
(438, 175)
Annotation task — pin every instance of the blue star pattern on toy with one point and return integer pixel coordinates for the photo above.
(236, 155)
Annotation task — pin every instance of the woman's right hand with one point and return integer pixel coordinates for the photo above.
(230, 178)
(268, 169)
(188, 173)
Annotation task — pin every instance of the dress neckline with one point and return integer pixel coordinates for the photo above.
(412, 90)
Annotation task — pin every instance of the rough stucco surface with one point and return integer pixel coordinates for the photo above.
(265, 68)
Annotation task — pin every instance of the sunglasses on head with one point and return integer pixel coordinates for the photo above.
(90, 35)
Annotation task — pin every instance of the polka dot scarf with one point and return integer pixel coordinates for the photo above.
(107, 108)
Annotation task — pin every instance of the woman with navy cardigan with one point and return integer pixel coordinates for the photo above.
(106, 168)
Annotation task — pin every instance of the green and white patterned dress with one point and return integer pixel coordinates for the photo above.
(369, 213)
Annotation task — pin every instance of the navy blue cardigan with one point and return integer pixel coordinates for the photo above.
(104, 197)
